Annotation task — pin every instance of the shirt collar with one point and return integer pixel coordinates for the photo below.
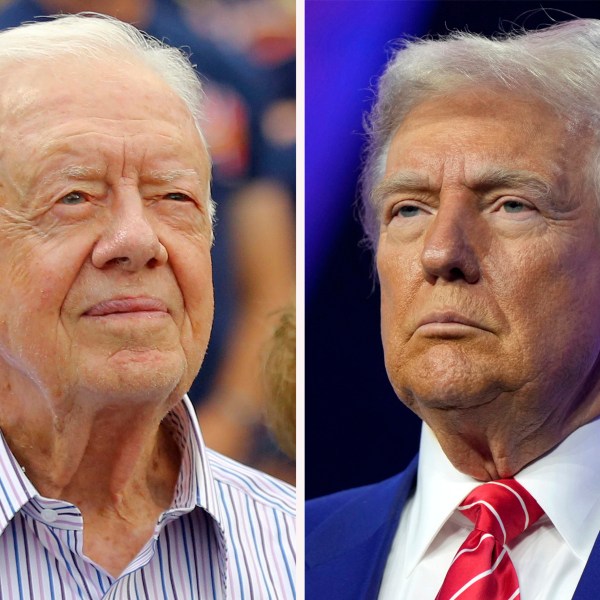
(195, 485)
(431, 509)
(564, 482)
(15, 488)
(566, 485)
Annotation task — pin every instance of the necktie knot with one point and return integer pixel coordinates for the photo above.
(502, 508)
(482, 568)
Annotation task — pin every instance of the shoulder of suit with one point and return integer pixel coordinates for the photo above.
(359, 499)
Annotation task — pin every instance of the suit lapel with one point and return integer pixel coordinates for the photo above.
(588, 587)
(346, 554)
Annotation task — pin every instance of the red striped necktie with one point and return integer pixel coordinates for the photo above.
(482, 569)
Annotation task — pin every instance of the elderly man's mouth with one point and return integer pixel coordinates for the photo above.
(129, 307)
(449, 324)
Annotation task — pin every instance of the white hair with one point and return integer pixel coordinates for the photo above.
(94, 36)
(559, 65)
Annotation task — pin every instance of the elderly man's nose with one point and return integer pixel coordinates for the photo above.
(129, 240)
(449, 251)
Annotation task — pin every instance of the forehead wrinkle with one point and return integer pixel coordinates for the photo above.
(84, 140)
(83, 172)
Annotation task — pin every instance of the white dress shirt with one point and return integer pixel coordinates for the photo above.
(549, 557)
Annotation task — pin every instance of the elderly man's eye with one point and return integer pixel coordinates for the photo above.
(179, 196)
(515, 206)
(73, 198)
(407, 211)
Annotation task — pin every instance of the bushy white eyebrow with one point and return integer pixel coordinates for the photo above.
(80, 172)
(171, 175)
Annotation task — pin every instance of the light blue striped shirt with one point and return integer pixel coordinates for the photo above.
(229, 534)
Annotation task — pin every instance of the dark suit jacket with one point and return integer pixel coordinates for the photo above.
(349, 534)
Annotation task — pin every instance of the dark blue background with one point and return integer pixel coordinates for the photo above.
(357, 431)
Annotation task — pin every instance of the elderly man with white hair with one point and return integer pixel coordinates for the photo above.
(481, 196)
(106, 488)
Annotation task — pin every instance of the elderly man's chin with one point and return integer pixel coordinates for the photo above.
(138, 376)
(446, 376)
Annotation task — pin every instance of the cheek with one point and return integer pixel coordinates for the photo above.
(191, 264)
(18, 240)
(385, 274)
(400, 278)
(30, 331)
(38, 271)
(195, 282)
(47, 275)
(549, 294)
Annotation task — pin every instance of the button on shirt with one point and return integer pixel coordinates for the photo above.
(228, 535)
(549, 557)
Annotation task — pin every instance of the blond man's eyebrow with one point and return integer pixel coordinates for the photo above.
(497, 178)
(484, 181)
(405, 181)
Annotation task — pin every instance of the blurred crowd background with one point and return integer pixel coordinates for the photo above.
(244, 52)
(357, 431)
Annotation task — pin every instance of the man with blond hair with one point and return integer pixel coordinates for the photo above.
(481, 202)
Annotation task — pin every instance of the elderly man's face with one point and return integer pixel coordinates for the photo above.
(104, 233)
(488, 257)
